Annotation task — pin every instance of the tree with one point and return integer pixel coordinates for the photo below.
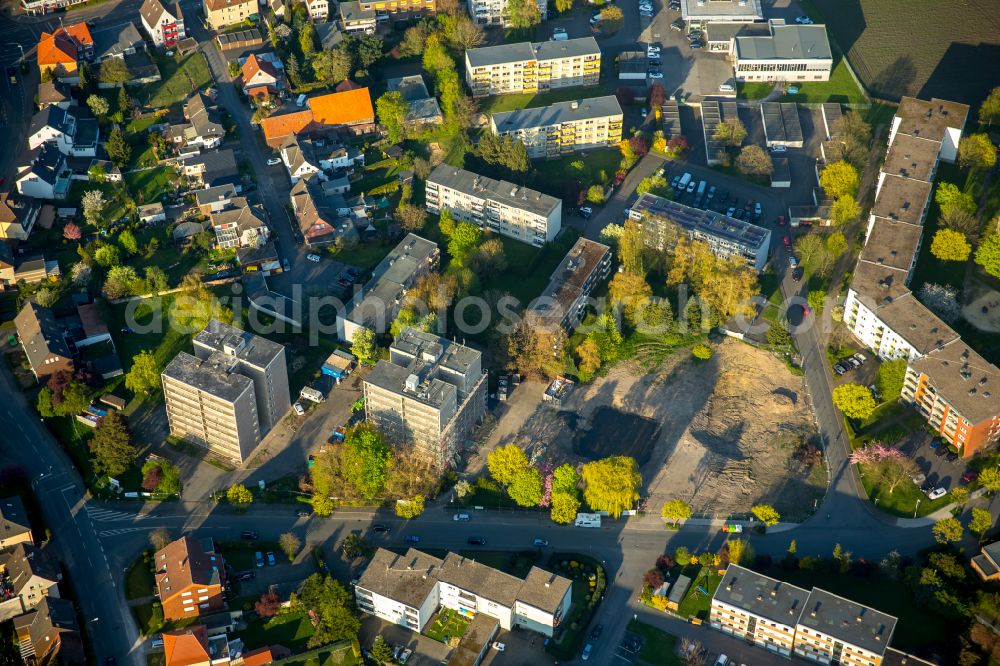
(363, 345)
(989, 478)
(536, 352)
(436, 58)
(976, 151)
(766, 514)
(365, 460)
(947, 530)
(392, 109)
(93, 204)
(465, 237)
(981, 522)
(942, 300)
(114, 70)
(564, 508)
(121, 281)
(655, 184)
(702, 352)
(98, 105)
(675, 510)
(159, 538)
(112, 445)
(144, 375)
(816, 299)
(960, 219)
(730, 132)
(239, 496)
(988, 255)
(839, 179)
(268, 605)
(836, 244)
(631, 292)
(526, 488)
(590, 358)
(307, 40)
(43, 403)
(168, 479)
(410, 508)
(465, 34)
(563, 6)
(463, 488)
(656, 97)
(778, 336)
(740, 551)
(128, 242)
(566, 480)
(754, 161)
(118, 149)
(330, 606)
(814, 254)
(47, 297)
(845, 209)
(72, 232)
(950, 245)
(290, 545)
(520, 14)
(381, 650)
(506, 462)
(989, 110)
(611, 484)
(612, 13)
(156, 279)
(410, 217)
(369, 50)
(889, 378)
(595, 194)
(948, 196)
(234, 69)
(81, 274)
(332, 67)
(854, 400)
(885, 462)
(196, 306)
(294, 69)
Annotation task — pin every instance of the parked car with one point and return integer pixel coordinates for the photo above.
(652, 50)
(697, 45)
(952, 457)
(787, 240)
(586, 212)
(731, 211)
(270, 559)
(643, 112)
(781, 220)
(246, 575)
(723, 660)
(854, 363)
(861, 358)
(271, 161)
(940, 451)
(379, 528)
(875, 392)
(594, 20)
(937, 493)
(919, 479)
(677, 25)
(540, 543)
(792, 261)
(586, 652)
(595, 633)
(299, 409)
(711, 193)
(12, 75)
(803, 20)
(303, 513)
(757, 209)
(313, 257)
(460, 516)
(779, 149)
(476, 541)
(654, 74)
(691, 186)
(413, 538)
(674, 181)
(249, 535)
(258, 559)
(797, 273)
(285, 266)
(970, 476)
(840, 368)
(405, 657)
(499, 647)
(695, 34)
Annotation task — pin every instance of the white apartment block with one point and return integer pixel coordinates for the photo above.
(758, 609)
(563, 128)
(491, 12)
(502, 207)
(163, 22)
(430, 395)
(792, 53)
(408, 589)
(319, 10)
(526, 67)
(832, 629)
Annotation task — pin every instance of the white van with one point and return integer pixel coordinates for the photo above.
(683, 182)
(727, 88)
(301, 101)
(701, 188)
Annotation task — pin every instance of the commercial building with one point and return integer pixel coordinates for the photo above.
(220, 14)
(165, 25)
(505, 208)
(528, 67)
(564, 127)
(190, 578)
(376, 305)
(792, 53)
(230, 393)
(408, 589)
(791, 621)
(492, 12)
(722, 11)
(564, 300)
(430, 395)
(781, 124)
(661, 219)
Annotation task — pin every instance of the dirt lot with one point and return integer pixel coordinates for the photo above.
(725, 429)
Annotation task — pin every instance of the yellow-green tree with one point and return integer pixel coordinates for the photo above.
(564, 508)
(947, 530)
(981, 522)
(526, 488)
(506, 462)
(854, 400)
(845, 209)
(766, 514)
(976, 151)
(631, 292)
(239, 495)
(410, 508)
(675, 510)
(839, 179)
(611, 484)
(589, 354)
(950, 245)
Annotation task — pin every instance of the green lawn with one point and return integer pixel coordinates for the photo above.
(115, 207)
(182, 75)
(840, 88)
(500, 103)
(599, 166)
(696, 603)
(903, 499)
(176, 263)
(365, 255)
(139, 581)
(751, 90)
(529, 268)
(338, 654)
(659, 648)
(148, 618)
(448, 624)
(148, 185)
(291, 630)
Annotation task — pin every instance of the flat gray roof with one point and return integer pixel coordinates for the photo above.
(902, 199)
(929, 120)
(878, 284)
(448, 353)
(405, 578)
(761, 595)
(481, 187)
(721, 10)
(706, 221)
(911, 320)
(892, 243)
(558, 113)
(848, 621)
(786, 42)
(250, 348)
(213, 375)
(911, 156)
(487, 56)
(568, 48)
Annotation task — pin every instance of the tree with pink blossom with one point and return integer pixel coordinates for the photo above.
(547, 474)
(72, 232)
(885, 462)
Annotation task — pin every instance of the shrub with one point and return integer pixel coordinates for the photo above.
(701, 352)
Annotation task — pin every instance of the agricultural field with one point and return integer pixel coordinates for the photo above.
(923, 48)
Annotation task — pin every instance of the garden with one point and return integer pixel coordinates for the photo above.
(181, 75)
(589, 584)
(658, 647)
(448, 626)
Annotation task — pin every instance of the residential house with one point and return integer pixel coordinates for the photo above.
(564, 300)
(43, 341)
(220, 14)
(409, 589)
(190, 578)
(564, 127)
(202, 130)
(281, 127)
(355, 19)
(213, 168)
(348, 112)
(63, 49)
(398, 10)
(42, 173)
(421, 107)
(329, 35)
(265, 655)
(163, 21)
(186, 647)
(153, 213)
(429, 396)
(117, 42)
(263, 75)
(318, 217)
(14, 525)
(112, 173)
(319, 10)
(239, 224)
(31, 574)
(29, 270)
(791, 53)
(54, 93)
(533, 67)
(213, 198)
(70, 130)
(493, 12)
(18, 215)
(304, 157)
(987, 562)
(50, 634)
(263, 258)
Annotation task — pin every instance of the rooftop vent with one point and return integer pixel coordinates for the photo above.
(574, 105)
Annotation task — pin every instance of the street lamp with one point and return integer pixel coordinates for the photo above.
(18, 46)
(916, 506)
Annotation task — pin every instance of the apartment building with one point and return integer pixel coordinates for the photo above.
(987, 562)
(430, 395)
(220, 14)
(791, 621)
(564, 300)
(792, 53)
(528, 67)
(493, 12)
(505, 208)
(164, 25)
(398, 10)
(190, 578)
(958, 392)
(662, 219)
(229, 394)
(757, 608)
(408, 589)
(564, 127)
(376, 305)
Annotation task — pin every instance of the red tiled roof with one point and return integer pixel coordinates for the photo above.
(343, 108)
(63, 45)
(186, 647)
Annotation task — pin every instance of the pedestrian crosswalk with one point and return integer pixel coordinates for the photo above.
(122, 530)
(99, 515)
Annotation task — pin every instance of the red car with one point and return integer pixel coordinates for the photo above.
(787, 240)
(970, 476)
(781, 220)
(806, 311)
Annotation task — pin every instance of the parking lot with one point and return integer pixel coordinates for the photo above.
(940, 468)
